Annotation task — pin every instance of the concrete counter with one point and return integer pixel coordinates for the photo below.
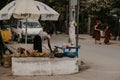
(44, 66)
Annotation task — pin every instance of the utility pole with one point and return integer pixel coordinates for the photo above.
(89, 23)
(67, 14)
(73, 13)
(119, 30)
(77, 36)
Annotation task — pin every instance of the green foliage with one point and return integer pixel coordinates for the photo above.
(102, 10)
(98, 9)
(3, 3)
(58, 5)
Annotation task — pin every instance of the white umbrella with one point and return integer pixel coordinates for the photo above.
(46, 12)
(24, 9)
(28, 9)
(7, 11)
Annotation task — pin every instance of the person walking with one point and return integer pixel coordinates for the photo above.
(97, 32)
(107, 35)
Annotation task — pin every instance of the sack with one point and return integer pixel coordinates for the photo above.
(57, 53)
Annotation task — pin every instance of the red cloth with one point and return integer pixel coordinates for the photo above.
(22, 50)
(97, 34)
(107, 36)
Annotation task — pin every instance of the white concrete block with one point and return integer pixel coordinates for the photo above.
(44, 66)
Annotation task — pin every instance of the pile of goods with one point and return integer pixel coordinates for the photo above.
(6, 60)
(23, 53)
(32, 53)
(66, 50)
(58, 52)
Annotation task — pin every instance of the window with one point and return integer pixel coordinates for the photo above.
(32, 24)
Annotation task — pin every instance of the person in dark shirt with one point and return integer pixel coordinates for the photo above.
(38, 41)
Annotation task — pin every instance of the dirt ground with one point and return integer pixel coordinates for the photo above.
(101, 62)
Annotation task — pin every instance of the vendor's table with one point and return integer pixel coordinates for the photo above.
(67, 50)
(44, 66)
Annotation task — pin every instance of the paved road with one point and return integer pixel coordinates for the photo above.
(101, 61)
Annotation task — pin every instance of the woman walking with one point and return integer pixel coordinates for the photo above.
(107, 35)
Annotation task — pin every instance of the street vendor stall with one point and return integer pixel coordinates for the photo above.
(35, 63)
(26, 62)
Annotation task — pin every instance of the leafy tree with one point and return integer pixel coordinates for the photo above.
(98, 9)
(3, 3)
(60, 7)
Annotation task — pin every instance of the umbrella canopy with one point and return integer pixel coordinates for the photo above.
(46, 12)
(7, 11)
(28, 9)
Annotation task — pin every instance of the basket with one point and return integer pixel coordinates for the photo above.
(71, 54)
(6, 60)
(67, 51)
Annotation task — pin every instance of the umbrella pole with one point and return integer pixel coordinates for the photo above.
(26, 33)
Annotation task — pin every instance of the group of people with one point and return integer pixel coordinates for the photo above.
(97, 34)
